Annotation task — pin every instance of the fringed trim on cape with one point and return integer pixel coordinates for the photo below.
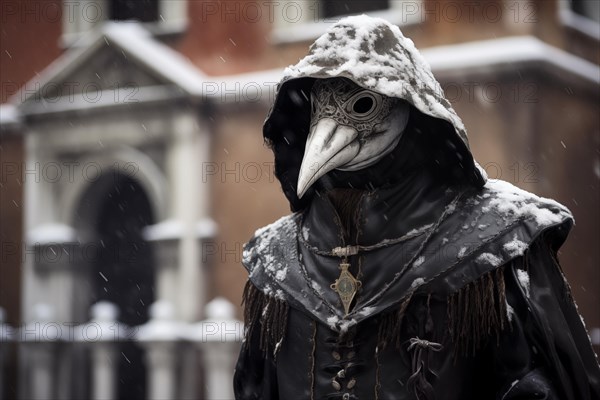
(476, 312)
(269, 313)
(391, 325)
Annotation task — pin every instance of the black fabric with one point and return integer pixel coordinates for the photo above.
(460, 241)
(461, 298)
(256, 373)
(544, 352)
(537, 349)
(285, 132)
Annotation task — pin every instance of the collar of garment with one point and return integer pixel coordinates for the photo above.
(392, 211)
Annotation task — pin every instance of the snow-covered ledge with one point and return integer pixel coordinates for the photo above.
(508, 51)
(172, 241)
(10, 118)
(579, 23)
(48, 234)
(52, 246)
(172, 229)
(304, 22)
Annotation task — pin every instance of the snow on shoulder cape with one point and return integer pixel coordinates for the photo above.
(486, 229)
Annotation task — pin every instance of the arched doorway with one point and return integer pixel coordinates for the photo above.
(124, 266)
(113, 213)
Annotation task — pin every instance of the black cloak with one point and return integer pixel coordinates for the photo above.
(462, 295)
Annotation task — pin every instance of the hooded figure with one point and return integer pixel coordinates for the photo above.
(402, 273)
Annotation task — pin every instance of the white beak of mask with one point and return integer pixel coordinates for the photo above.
(351, 128)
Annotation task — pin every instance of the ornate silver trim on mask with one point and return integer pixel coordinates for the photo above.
(349, 104)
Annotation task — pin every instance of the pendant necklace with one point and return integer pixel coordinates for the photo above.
(346, 286)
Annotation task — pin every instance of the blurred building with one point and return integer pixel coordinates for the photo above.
(133, 170)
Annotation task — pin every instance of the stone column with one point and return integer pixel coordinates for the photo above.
(187, 155)
(219, 337)
(103, 334)
(160, 337)
(39, 338)
(167, 237)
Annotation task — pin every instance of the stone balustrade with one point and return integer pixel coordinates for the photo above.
(181, 360)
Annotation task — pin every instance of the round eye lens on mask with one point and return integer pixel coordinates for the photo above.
(364, 105)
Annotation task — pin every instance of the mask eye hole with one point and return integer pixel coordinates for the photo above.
(363, 105)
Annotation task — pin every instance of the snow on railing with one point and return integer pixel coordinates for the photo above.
(102, 334)
(159, 337)
(39, 339)
(218, 337)
(177, 354)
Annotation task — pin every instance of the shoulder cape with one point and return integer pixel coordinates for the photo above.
(485, 229)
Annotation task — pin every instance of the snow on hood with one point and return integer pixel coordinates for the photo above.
(374, 54)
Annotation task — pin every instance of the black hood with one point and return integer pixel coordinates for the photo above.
(375, 55)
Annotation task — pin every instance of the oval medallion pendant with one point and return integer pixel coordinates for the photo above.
(346, 286)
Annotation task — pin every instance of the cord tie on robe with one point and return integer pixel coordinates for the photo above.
(418, 380)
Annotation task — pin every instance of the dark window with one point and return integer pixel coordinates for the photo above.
(343, 7)
(140, 10)
(587, 8)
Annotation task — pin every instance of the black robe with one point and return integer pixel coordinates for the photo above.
(462, 298)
